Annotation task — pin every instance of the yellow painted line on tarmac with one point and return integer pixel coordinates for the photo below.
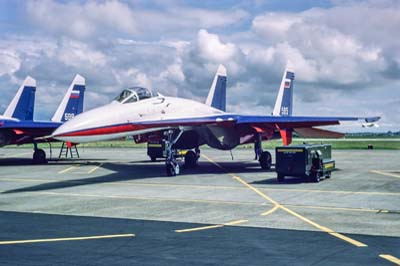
(320, 227)
(390, 258)
(315, 190)
(210, 226)
(95, 168)
(64, 239)
(278, 205)
(199, 228)
(117, 183)
(69, 169)
(336, 191)
(236, 222)
(337, 208)
(270, 211)
(381, 172)
(197, 200)
(348, 239)
(146, 198)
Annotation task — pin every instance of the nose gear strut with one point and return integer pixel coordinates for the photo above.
(171, 164)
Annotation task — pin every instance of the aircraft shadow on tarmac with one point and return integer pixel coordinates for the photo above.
(137, 170)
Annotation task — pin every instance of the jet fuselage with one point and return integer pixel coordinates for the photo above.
(116, 120)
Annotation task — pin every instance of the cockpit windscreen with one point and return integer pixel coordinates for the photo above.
(135, 94)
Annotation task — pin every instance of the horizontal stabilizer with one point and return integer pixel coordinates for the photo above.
(317, 133)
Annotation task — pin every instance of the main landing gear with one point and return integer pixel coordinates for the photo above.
(192, 157)
(264, 157)
(39, 155)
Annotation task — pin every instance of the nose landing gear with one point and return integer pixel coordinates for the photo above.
(171, 164)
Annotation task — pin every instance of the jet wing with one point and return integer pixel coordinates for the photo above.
(33, 128)
(287, 122)
(262, 124)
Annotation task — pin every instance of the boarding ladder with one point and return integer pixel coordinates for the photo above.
(68, 149)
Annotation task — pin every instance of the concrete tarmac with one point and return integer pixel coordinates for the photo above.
(114, 207)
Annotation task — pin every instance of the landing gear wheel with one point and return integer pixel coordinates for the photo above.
(190, 159)
(39, 157)
(172, 168)
(265, 160)
(281, 178)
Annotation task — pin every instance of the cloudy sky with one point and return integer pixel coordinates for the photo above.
(346, 54)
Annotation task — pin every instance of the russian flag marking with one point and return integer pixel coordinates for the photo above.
(74, 94)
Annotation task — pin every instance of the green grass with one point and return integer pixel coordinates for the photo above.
(387, 144)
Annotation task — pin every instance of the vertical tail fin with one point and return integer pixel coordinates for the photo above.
(217, 96)
(284, 101)
(72, 103)
(22, 105)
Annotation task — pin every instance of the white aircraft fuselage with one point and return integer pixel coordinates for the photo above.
(117, 120)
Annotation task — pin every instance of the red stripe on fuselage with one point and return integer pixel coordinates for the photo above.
(104, 130)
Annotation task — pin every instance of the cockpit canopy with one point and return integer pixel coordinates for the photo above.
(135, 94)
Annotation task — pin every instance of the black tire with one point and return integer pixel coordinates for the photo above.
(265, 160)
(39, 157)
(190, 159)
(153, 159)
(281, 178)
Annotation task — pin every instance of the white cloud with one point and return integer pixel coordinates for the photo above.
(10, 62)
(211, 48)
(82, 20)
(77, 54)
(180, 20)
(275, 25)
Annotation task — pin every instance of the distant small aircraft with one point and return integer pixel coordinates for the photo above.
(17, 125)
(187, 124)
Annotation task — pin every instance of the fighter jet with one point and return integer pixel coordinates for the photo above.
(17, 125)
(188, 124)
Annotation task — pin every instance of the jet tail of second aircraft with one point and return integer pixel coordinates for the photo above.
(72, 103)
(22, 105)
(217, 95)
(284, 101)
